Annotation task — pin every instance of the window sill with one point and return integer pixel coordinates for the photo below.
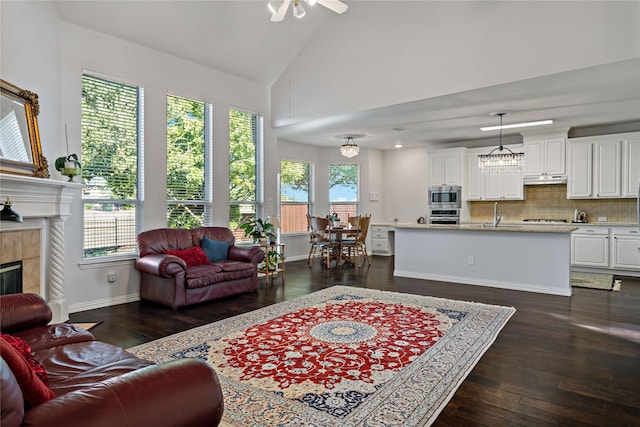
(99, 262)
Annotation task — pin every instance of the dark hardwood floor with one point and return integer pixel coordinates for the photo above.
(559, 361)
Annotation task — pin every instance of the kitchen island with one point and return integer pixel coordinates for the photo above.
(509, 256)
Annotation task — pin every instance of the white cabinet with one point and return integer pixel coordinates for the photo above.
(590, 247)
(616, 248)
(492, 187)
(381, 240)
(504, 187)
(606, 166)
(447, 167)
(545, 157)
(630, 165)
(606, 169)
(580, 171)
(475, 187)
(626, 248)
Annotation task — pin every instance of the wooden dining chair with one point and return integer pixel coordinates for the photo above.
(354, 249)
(318, 238)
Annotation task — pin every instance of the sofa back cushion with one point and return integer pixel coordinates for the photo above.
(215, 249)
(159, 240)
(192, 256)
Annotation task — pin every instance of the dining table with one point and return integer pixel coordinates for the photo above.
(337, 243)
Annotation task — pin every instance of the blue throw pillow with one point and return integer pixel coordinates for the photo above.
(215, 249)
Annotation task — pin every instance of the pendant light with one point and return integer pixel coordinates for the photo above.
(349, 149)
(503, 162)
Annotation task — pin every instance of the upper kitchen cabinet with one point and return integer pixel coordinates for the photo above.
(630, 165)
(603, 166)
(448, 166)
(544, 157)
(492, 187)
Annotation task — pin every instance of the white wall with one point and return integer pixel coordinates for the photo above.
(447, 47)
(29, 52)
(406, 178)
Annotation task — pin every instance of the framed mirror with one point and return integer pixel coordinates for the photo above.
(20, 149)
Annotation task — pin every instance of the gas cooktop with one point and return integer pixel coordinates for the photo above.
(545, 220)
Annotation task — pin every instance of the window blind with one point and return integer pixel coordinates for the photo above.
(111, 138)
(295, 196)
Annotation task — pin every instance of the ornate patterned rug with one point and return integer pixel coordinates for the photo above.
(341, 356)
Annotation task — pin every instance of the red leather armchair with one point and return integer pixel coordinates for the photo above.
(168, 279)
(97, 384)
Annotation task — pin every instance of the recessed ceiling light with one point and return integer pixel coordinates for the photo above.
(398, 146)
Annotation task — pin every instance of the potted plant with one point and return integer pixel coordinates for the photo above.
(70, 165)
(334, 219)
(259, 229)
(273, 257)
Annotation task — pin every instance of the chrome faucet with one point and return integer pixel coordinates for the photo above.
(496, 217)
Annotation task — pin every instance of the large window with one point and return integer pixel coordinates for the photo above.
(295, 196)
(245, 169)
(343, 190)
(111, 147)
(188, 170)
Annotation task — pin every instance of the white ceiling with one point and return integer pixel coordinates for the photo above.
(237, 37)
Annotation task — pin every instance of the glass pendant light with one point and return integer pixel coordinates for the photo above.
(503, 162)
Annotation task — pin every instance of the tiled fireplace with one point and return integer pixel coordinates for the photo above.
(38, 241)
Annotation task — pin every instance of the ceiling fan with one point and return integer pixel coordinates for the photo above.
(279, 8)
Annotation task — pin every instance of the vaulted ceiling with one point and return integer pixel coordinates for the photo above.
(237, 37)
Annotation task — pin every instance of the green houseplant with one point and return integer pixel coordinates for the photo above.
(68, 165)
(259, 228)
(334, 219)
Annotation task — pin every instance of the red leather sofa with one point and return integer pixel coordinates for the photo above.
(170, 280)
(94, 383)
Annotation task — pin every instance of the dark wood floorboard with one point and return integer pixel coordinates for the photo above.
(559, 361)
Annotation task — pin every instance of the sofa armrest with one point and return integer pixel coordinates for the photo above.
(162, 265)
(23, 311)
(182, 392)
(252, 254)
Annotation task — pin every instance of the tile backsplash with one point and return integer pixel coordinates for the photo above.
(550, 202)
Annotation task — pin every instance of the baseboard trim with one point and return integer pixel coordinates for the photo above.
(491, 284)
(106, 302)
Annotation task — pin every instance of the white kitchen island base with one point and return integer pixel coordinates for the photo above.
(518, 258)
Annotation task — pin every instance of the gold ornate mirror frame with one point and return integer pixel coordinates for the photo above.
(19, 125)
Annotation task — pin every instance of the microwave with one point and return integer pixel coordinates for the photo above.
(445, 196)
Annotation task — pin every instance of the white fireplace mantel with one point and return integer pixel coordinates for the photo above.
(43, 203)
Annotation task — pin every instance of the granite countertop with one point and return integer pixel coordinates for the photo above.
(522, 225)
(490, 228)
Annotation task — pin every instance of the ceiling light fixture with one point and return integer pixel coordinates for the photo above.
(275, 5)
(298, 10)
(516, 125)
(500, 163)
(349, 149)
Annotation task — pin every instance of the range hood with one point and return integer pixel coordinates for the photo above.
(544, 179)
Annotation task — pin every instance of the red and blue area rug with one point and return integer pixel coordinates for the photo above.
(341, 356)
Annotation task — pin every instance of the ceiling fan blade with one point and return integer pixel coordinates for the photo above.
(336, 5)
(280, 14)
